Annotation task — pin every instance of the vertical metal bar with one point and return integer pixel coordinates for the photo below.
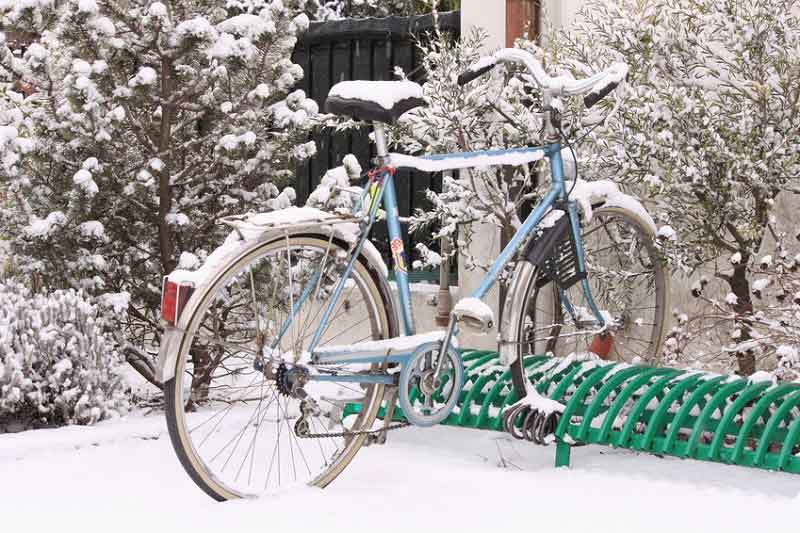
(678, 420)
(704, 419)
(661, 416)
(736, 407)
(399, 258)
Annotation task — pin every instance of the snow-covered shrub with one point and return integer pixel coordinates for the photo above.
(149, 120)
(335, 192)
(58, 360)
(707, 126)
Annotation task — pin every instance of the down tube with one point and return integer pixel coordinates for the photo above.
(399, 257)
(515, 242)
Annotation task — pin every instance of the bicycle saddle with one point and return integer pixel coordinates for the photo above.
(374, 101)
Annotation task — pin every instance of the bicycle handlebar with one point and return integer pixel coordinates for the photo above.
(593, 88)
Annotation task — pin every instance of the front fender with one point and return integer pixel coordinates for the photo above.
(229, 253)
(512, 310)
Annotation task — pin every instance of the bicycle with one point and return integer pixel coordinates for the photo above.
(256, 375)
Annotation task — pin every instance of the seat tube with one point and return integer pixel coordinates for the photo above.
(379, 130)
(399, 257)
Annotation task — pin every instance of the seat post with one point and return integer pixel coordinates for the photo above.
(380, 141)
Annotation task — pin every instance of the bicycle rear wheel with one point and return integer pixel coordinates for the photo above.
(630, 284)
(231, 421)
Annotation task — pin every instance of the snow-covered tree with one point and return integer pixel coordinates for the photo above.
(709, 125)
(58, 359)
(148, 121)
(499, 112)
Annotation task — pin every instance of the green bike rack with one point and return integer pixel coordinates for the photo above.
(682, 413)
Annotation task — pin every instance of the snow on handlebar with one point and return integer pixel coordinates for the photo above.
(593, 88)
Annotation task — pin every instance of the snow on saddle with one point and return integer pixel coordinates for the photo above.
(374, 101)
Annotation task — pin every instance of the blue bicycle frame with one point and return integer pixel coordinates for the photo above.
(380, 191)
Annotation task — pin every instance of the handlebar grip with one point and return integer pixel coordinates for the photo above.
(469, 75)
(593, 97)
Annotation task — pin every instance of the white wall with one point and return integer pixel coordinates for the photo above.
(561, 12)
(487, 14)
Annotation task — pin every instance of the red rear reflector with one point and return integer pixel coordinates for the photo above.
(602, 345)
(173, 298)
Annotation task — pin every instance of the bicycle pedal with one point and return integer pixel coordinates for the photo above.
(474, 315)
(377, 439)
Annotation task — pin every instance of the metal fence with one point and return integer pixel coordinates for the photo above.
(365, 49)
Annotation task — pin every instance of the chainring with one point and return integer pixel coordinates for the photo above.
(423, 401)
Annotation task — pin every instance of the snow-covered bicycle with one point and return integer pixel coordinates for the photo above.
(293, 319)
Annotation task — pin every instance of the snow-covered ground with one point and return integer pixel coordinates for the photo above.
(122, 476)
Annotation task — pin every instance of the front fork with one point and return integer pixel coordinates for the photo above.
(516, 302)
(575, 226)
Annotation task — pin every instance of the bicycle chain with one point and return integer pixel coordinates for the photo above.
(308, 408)
(349, 433)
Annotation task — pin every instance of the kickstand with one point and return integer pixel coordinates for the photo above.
(388, 415)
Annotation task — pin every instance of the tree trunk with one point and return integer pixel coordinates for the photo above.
(165, 233)
(743, 308)
(202, 369)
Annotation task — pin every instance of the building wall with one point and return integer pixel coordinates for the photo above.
(560, 12)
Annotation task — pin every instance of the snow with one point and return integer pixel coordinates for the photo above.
(92, 228)
(157, 9)
(396, 345)
(473, 307)
(762, 376)
(177, 219)
(118, 301)
(537, 401)
(254, 226)
(607, 192)
(247, 25)
(262, 90)
(760, 284)
(88, 6)
(512, 157)
(731, 299)
(386, 94)
(124, 473)
(198, 28)
(482, 63)
(40, 227)
(616, 73)
(104, 25)
(188, 261)
(83, 179)
(668, 233)
(145, 76)
(301, 22)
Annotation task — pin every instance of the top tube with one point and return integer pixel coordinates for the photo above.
(484, 158)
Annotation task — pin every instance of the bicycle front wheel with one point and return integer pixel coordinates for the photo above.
(629, 282)
(231, 421)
